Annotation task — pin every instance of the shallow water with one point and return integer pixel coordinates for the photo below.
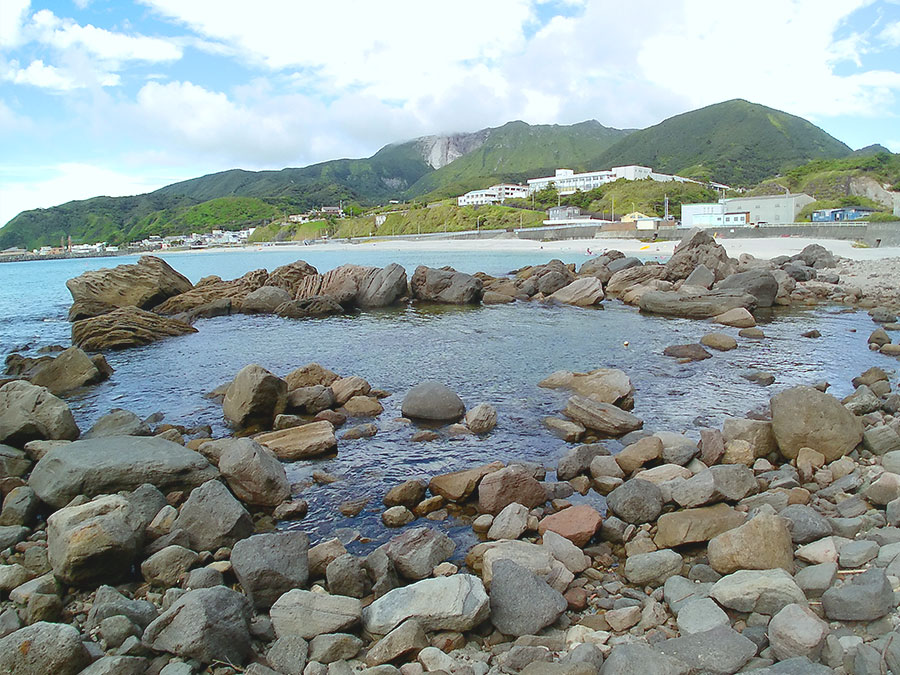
(494, 354)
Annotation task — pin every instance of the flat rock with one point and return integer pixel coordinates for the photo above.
(695, 304)
(459, 485)
(720, 650)
(687, 352)
(125, 327)
(696, 525)
(309, 614)
(604, 418)
(307, 440)
(762, 591)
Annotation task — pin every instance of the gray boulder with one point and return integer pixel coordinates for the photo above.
(309, 614)
(578, 460)
(96, 540)
(759, 283)
(697, 247)
(31, 413)
(432, 400)
(804, 417)
(381, 287)
(445, 285)
(212, 517)
(71, 369)
(43, 648)
(653, 568)
(207, 624)
(346, 575)
(695, 304)
(805, 523)
(720, 650)
(521, 602)
(118, 423)
(863, 597)
(416, 552)
(288, 655)
(701, 277)
(264, 300)
(254, 397)
(640, 659)
(253, 472)
(106, 465)
(110, 602)
(636, 501)
(268, 565)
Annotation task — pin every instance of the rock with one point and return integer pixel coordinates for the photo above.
(212, 518)
(720, 341)
(726, 482)
(739, 317)
(13, 462)
(759, 283)
(397, 516)
(635, 455)
(416, 552)
(207, 624)
(762, 591)
(346, 575)
(604, 418)
(689, 352)
(309, 614)
(652, 569)
(481, 419)
(406, 639)
(881, 440)
(288, 655)
(510, 523)
(96, 540)
(455, 603)
(362, 406)
(345, 388)
(108, 602)
(636, 501)
(805, 523)
(270, 564)
(862, 597)
(701, 277)
(166, 568)
(522, 603)
(264, 300)
(762, 543)
(514, 483)
(315, 306)
(699, 615)
(254, 398)
(254, 473)
(432, 400)
(758, 433)
(70, 370)
(409, 493)
(43, 648)
(323, 553)
(565, 552)
(29, 412)
(720, 650)
(639, 659)
(118, 665)
(307, 440)
(330, 648)
(381, 287)
(697, 247)
(310, 375)
(145, 284)
(124, 328)
(796, 631)
(803, 417)
(459, 485)
(118, 423)
(696, 525)
(105, 465)
(445, 285)
(567, 430)
(607, 385)
(494, 298)
(694, 303)
(862, 401)
(582, 292)
(310, 400)
(578, 460)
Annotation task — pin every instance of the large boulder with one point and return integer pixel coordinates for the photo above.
(207, 624)
(44, 647)
(445, 285)
(624, 280)
(213, 518)
(211, 290)
(582, 292)
(690, 526)
(253, 473)
(106, 465)
(804, 417)
(762, 543)
(433, 401)
(604, 418)
(31, 413)
(416, 552)
(695, 304)
(609, 385)
(759, 283)
(382, 287)
(514, 483)
(697, 247)
(71, 369)
(306, 440)
(145, 284)
(125, 327)
(457, 603)
(521, 602)
(254, 397)
(264, 300)
(94, 541)
(317, 305)
(309, 614)
(341, 284)
(271, 564)
(288, 277)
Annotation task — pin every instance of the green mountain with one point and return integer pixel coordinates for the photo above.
(518, 151)
(735, 142)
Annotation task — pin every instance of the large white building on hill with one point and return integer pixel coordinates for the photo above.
(492, 195)
(567, 182)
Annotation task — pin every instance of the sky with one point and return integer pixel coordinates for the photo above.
(103, 97)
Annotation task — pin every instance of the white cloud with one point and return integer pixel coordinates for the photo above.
(12, 18)
(891, 34)
(39, 74)
(23, 188)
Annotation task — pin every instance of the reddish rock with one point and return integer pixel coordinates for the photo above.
(333, 416)
(512, 484)
(577, 599)
(577, 524)
(458, 485)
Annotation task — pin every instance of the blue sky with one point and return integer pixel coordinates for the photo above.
(113, 97)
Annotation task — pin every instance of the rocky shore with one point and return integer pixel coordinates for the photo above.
(769, 545)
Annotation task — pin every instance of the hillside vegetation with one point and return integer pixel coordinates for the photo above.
(736, 142)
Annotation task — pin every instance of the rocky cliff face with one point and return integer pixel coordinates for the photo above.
(871, 188)
(439, 151)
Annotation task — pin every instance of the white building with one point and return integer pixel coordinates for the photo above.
(492, 195)
(568, 182)
(739, 211)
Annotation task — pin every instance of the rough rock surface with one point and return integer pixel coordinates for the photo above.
(42, 648)
(804, 417)
(71, 369)
(445, 285)
(604, 418)
(253, 473)
(762, 543)
(125, 327)
(29, 413)
(271, 564)
(695, 304)
(521, 602)
(212, 517)
(254, 397)
(307, 440)
(416, 552)
(309, 614)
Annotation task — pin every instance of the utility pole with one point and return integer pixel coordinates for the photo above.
(667, 207)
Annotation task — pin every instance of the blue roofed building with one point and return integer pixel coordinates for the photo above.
(841, 214)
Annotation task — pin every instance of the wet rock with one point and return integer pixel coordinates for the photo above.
(213, 518)
(29, 412)
(105, 465)
(481, 419)
(720, 341)
(696, 525)
(653, 568)
(207, 624)
(445, 285)
(96, 540)
(512, 484)
(310, 375)
(416, 552)
(689, 352)
(432, 400)
(43, 648)
(68, 371)
(362, 406)
(118, 423)
(608, 385)
(124, 328)
(636, 501)
(307, 440)
(309, 614)
(254, 397)
(522, 603)
(604, 418)
(803, 417)
(694, 303)
(268, 565)
(863, 597)
(762, 591)
(459, 485)
(458, 602)
(317, 305)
